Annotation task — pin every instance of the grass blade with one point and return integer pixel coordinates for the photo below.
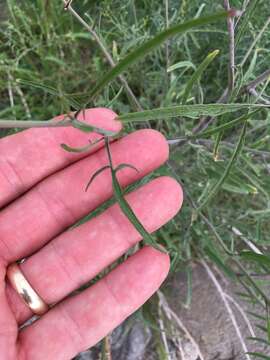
(152, 44)
(198, 73)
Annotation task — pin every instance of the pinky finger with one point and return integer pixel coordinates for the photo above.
(81, 321)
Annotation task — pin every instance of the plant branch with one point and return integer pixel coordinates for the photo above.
(106, 53)
(260, 79)
(21, 124)
(254, 93)
(230, 25)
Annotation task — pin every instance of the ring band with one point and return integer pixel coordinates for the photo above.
(25, 290)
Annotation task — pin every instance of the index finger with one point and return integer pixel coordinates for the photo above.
(31, 155)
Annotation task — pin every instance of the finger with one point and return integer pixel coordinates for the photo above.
(8, 324)
(29, 156)
(75, 257)
(83, 320)
(60, 200)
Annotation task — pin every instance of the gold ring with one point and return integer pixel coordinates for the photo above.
(25, 290)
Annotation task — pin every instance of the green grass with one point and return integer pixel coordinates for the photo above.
(49, 64)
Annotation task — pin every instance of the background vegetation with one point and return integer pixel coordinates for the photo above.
(49, 63)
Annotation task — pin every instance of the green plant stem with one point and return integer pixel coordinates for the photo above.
(25, 124)
(124, 205)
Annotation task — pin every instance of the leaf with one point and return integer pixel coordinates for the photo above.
(218, 185)
(125, 207)
(89, 128)
(180, 65)
(150, 45)
(233, 183)
(55, 60)
(258, 258)
(263, 341)
(251, 67)
(216, 146)
(262, 328)
(226, 126)
(198, 73)
(268, 321)
(218, 261)
(81, 149)
(258, 355)
(51, 90)
(123, 166)
(189, 111)
(257, 316)
(98, 172)
(76, 150)
(245, 20)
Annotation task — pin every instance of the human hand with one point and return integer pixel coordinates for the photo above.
(42, 194)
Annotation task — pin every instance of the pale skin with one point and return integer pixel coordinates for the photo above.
(42, 194)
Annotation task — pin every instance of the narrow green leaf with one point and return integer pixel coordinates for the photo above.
(225, 126)
(180, 65)
(198, 73)
(189, 111)
(216, 146)
(123, 166)
(262, 328)
(268, 321)
(245, 20)
(150, 45)
(51, 90)
(257, 316)
(125, 207)
(98, 172)
(263, 341)
(219, 262)
(258, 258)
(218, 185)
(76, 150)
(259, 355)
(80, 149)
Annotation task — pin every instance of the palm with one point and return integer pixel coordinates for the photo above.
(42, 195)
